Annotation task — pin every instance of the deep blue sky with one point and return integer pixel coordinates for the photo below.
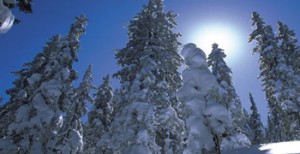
(106, 32)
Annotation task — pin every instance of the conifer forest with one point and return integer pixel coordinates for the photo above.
(172, 98)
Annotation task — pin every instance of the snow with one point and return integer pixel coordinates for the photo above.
(7, 147)
(132, 130)
(34, 78)
(22, 114)
(10, 1)
(52, 89)
(44, 113)
(204, 117)
(289, 106)
(194, 57)
(76, 140)
(236, 141)
(291, 147)
(6, 18)
(65, 73)
(217, 115)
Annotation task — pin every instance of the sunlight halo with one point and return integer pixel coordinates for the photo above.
(226, 36)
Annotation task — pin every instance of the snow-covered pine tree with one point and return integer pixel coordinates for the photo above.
(257, 129)
(99, 118)
(206, 118)
(246, 126)
(273, 68)
(289, 85)
(69, 139)
(23, 5)
(145, 119)
(7, 19)
(288, 44)
(40, 94)
(236, 138)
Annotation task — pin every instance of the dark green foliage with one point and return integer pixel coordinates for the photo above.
(257, 129)
(23, 5)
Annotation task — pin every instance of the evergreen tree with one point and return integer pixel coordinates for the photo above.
(246, 124)
(206, 120)
(7, 19)
(149, 79)
(289, 80)
(232, 102)
(40, 95)
(275, 74)
(288, 44)
(99, 118)
(23, 5)
(70, 137)
(257, 128)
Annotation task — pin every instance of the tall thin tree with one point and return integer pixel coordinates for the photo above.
(257, 129)
(70, 138)
(232, 102)
(99, 118)
(270, 59)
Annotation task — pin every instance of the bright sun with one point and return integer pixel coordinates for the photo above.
(225, 36)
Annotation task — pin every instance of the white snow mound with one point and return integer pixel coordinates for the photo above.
(292, 147)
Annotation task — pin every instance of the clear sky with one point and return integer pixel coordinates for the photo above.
(106, 32)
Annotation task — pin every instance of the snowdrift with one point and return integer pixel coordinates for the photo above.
(292, 147)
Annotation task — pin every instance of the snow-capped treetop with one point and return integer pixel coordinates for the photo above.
(24, 6)
(231, 100)
(82, 93)
(257, 22)
(193, 56)
(76, 30)
(288, 44)
(104, 93)
(6, 18)
(219, 67)
(149, 77)
(287, 37)
(150, 57)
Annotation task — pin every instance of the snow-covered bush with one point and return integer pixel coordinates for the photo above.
(206, 119)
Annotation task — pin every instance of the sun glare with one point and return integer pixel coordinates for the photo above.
(225, 36)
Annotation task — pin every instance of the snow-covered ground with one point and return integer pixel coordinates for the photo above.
(272, 148)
